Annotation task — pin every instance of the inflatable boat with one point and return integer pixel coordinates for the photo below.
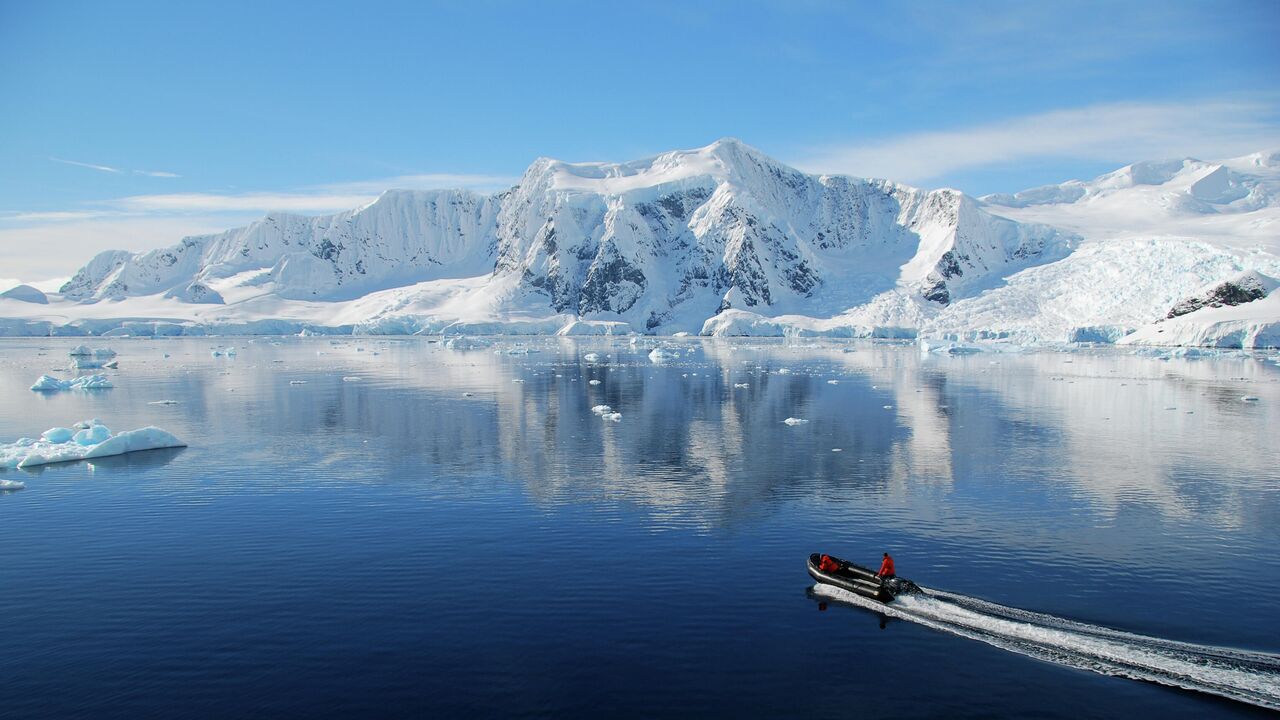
(859, 580)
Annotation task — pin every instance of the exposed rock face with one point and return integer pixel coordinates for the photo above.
(1241, 289)
(688, 233)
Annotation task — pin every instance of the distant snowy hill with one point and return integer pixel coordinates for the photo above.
(719, 240)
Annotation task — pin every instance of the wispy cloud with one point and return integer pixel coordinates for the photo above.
(91, 166)
(258, 202)
(115, 170)
(1119, 133)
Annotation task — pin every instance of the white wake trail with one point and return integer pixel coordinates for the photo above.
(1242, 675)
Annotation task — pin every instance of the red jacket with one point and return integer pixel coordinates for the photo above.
(828, 565)
(886, 567)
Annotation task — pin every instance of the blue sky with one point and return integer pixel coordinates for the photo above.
(131, 124)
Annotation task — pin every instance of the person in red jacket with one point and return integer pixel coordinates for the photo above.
(828, 564)
(886, 568)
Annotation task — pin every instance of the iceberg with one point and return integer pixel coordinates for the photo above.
(85, 351)
(11, 485)
(93, 440)
(48, 383)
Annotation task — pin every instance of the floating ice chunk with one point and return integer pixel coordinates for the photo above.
(350, 378)
(601, 409)
(48, 383)
(833, 382)
(837, 449)
(591, 357)
(1249, 398)
(100, 353)
(888, 407)
(92, 435)
(784, 371)
(297, 382)
(224, 352)
(58, 434)
(614, 416)
(741, 385)
(93, 441)
(11, 485)
(795, 421)
(463, 342)
(593, 382)
(662, 354)
(113, 365)
(163, 402)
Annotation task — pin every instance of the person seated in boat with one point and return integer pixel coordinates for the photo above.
(886, 568)
(828, 564)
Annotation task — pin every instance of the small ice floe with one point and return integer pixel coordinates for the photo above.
(99, 353)
(48, 383)
(113, 365)
(662, 354)
(593, 382)
(837, 449)
(467, 394)
(297, 382)
(350, 378)
(591, 357)
(784, 371)
(741, 385)
(614, 417)
(1249, 398)
(6, 485)
(833, 382)
(85, 440)
(462, 342)
(795, 421)
(228, 352)
(601, 409)
(163, 402)
(888, 407)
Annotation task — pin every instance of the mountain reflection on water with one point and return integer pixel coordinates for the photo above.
(336, 478)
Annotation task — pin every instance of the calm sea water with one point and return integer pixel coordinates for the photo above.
(458, 534)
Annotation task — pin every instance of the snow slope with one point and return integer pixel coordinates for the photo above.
(720, 239)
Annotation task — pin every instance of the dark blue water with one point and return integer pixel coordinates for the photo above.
(458, 534)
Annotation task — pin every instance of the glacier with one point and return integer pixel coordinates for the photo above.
(720, 240)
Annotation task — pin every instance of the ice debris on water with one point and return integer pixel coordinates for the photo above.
(662, 354)
(224, 352)
(795, 421)
(591, 357)
(85, 440)
(465, 343)
(741, 385)
(11, 485)
(163, 402)
(833, 382)
(1249, 398)
(48, 383)
(601, 409)
(593, 382)
(350, 378)
(297, 382)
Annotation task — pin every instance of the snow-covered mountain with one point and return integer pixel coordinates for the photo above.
(720, 239)
(658, 243)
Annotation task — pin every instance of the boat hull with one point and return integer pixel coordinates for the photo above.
(858, 580)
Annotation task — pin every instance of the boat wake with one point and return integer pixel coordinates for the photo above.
(1241, 675)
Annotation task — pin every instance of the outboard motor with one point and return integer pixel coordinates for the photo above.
(899, 586)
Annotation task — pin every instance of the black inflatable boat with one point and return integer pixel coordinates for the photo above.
(859, 580)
